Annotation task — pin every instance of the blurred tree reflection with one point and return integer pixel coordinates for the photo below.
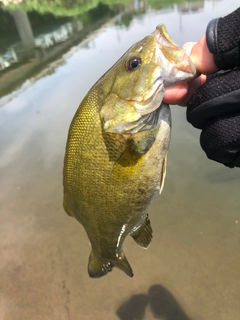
(125, 19)
(67, 8)
(71, 8)
(160, 4)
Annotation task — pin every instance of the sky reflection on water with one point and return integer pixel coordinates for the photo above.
(194, 260)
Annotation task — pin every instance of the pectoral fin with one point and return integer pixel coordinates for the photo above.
(142, 141)
(139, 144)
(164, 171)
(143, 234)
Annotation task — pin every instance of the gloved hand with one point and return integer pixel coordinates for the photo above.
(215, 106)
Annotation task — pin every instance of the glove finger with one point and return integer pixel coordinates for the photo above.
(218, 96)
(220, 139)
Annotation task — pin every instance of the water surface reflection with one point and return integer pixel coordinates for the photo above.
(193, 265)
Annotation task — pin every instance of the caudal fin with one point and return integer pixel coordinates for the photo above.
(98, 267)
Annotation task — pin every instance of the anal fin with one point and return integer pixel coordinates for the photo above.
(143, 234)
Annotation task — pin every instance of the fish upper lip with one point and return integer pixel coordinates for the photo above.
(184, 62)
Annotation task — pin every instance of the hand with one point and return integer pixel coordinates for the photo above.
(213, 105)
(213, 102)
(181, 93)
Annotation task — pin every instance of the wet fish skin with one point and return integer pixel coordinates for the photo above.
(116, 150)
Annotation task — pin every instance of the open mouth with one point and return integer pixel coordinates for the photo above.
(163, 38)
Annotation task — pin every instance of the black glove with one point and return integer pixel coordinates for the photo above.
(215, 106)
(223, 40)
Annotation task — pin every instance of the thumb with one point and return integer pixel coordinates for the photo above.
(201, 56)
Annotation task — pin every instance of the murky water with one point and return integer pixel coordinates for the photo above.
(192, 268)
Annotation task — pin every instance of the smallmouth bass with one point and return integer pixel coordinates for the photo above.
(117, 147)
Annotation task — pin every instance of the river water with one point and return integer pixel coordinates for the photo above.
(192, 268)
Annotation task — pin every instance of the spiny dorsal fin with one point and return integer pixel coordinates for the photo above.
(143, 234)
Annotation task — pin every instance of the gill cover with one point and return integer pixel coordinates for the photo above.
(137, 91)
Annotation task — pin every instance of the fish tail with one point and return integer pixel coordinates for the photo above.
(98, 267)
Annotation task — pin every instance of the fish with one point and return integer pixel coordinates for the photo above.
(116, 151)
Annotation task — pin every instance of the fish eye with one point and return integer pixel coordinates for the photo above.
(133, 63)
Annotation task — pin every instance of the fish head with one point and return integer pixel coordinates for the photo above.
(138, 79)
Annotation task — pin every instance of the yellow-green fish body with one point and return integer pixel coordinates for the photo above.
(116, 150)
